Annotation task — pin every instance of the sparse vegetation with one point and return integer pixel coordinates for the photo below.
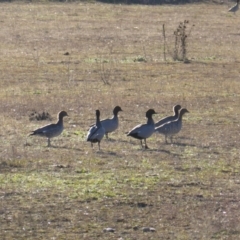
(180, 45)
(164, 42)
(187, 190)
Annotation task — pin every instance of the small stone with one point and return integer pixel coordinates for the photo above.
(108, 230)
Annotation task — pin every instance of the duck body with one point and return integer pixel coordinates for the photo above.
(111, 124)
(51, 130)
(176, 109)
(234, 8)
(171, 128)
(144, 131)
(96, 132)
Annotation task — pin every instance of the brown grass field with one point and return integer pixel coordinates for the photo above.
(186, 190)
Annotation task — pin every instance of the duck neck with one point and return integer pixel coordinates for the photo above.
(150, 121)
(180, 116)
(115, 114)
(98, 120)
(175, 113)
(60, 121)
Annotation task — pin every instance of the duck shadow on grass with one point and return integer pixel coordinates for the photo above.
(110, 140)
(106, 153)
(64, 147)
(156, 150)
(113, 140)
(27, 144)
(181, 141)
(235, 34)
(180, 144)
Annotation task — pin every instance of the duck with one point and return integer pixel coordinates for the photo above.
(176, 108)
(96, 132)
(144, 131)
(171, 128)
(111, 124)
(234, 8)
(51, 130)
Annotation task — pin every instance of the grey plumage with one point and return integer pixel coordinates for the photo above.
(234, 8)
(111, 124)
(176, 109)
(96, 132)
(51, 130)
(144, 131)
(171, 128)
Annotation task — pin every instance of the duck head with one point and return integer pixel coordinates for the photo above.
(176, 108)
(62, 114)
(97, 113)
(183, 111)
(116, 110)
(150, 112)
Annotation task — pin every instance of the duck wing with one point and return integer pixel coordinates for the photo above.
(95, 133)
(142, 131)
(45, 129)
(110, 124)
(165, 120)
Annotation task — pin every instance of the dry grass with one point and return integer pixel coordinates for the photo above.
(188, 190)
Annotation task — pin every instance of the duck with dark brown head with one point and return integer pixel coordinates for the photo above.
(111, 124)
(144, 131)
(172, 128)
(176, 109)
(51, 130)
(96, 132)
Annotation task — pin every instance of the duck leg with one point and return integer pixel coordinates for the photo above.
(106, 135)
(146, 146)
(49, 143)
(99, 146)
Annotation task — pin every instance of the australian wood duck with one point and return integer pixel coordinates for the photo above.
(176, 108)
(111, 124)
(96, 132)
(51, 130)
(171, 128)
(234, 8)
(144, 131)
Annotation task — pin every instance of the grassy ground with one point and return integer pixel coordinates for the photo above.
(186, 190)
